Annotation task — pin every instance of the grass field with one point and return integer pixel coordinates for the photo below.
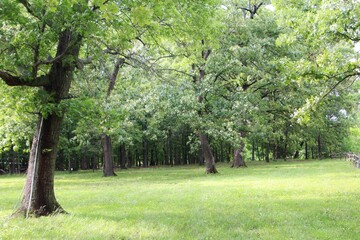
(280, 200)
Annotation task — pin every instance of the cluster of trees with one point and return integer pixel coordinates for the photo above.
(132, 83)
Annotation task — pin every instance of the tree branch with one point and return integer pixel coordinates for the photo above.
(29, 9)
(112, 78)
(252, 11)
(338, 83)
(18, 81)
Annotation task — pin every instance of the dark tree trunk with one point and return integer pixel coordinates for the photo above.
(209, 158)
(130, 158)
(228, 154)
(108, 164)
(12, 164)
(253, 151)
(84, 163)
(306, 151)
(297, 154)
(145, 154)
(285, 148)
(319, 146)
(152, 156)
(123, 156)
(267, 156)
(275, 152)
(177, 154)
(312, 153)
(239, 155)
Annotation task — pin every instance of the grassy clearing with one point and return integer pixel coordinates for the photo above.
(281, 200)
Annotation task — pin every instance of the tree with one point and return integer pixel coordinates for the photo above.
(44, 53)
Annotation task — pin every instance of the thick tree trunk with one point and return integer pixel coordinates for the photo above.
(108, 164)
(209, 157)
(39, 197)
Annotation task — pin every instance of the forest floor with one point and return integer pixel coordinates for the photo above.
(279, 200)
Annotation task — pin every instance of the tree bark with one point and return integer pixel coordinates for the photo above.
(12, 166)
(106, 140)
(145, 153)
(208, 155)
(123, 156)
(267, 156)
(239, 154)
(108, 164)
(200, 156)
(253, 151)
(319, 146)
(205, 146)
(39, 196)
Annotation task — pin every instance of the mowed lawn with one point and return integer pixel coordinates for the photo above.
(280, 200)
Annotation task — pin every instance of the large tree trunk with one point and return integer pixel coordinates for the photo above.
(108, 164)
(39, 197)
(209, 157)
(239, 155)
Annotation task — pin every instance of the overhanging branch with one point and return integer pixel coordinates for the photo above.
(12, 80)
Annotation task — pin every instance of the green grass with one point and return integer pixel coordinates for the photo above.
(280, 200)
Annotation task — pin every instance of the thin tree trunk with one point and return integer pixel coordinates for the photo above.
(306, 151)
(12, 166)
(319, 146)
(145, 153)
(275, 152)
(123, 156)
(267, 156)
(208, 155)
(253, 151)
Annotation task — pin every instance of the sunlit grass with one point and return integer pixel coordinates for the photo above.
(280, 200)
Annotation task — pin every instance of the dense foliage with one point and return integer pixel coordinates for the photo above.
(279, 79)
